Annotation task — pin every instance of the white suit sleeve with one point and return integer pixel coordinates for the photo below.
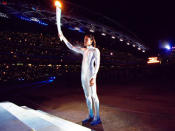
(68, 44)
(58, 19)
(71, 47)
(97, 62)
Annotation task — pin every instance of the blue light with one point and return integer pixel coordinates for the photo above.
(38, 83)
(21, 79)
(168, 47)
(52, 78)
(81, 31)
(33, 8)
(70, 28)
(32, 20)
(50, 81)
(165, 45)
(76, 29)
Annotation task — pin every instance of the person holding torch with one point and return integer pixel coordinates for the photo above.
(89, 69)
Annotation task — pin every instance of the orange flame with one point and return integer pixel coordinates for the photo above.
(152, 60)
(58, 4)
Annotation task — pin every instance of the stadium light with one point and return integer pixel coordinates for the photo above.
(103, 34)
(121, 39)
(91, 30)
(153, 60)
(77, 28)
(139, 48)
(111, 53)
(128, 43)
(167, 46)
(113, 37)
(134, 45)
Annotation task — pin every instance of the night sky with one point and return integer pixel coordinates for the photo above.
(150, 20)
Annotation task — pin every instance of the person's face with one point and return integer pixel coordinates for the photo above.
(87, 41)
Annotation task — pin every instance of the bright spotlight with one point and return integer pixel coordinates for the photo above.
(168, 47)
(165, 45)
(58, 4)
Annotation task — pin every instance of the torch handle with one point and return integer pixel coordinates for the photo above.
(58, 20)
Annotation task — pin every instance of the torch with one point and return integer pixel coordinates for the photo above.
(58, 16)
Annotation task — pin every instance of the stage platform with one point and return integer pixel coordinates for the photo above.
(16, 118)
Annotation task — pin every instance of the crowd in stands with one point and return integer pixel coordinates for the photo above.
(30, 56)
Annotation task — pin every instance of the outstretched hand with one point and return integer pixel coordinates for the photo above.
(92, 82)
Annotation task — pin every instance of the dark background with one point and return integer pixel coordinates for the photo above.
(151, 20)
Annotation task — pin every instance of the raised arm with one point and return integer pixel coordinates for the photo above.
(97, 62)
(68, 44)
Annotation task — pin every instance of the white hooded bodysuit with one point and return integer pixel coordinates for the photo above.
(91, 56)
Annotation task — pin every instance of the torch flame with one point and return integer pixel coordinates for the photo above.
(58, 4)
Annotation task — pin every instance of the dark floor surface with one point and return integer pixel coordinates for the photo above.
(123, 107)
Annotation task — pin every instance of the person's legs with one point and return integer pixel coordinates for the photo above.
(87, 92)
(96, 119)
